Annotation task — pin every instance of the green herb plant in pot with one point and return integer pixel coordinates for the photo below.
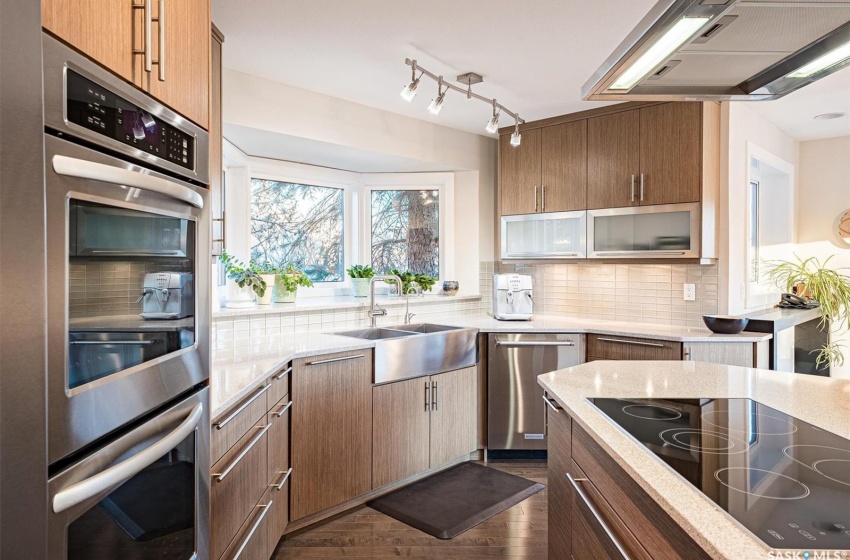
(816, 280)
(286, 282)
(243, 282)
(267, 272)
(409, 278)
(361, 276)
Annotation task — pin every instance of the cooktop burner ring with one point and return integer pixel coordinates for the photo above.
(652, 406)
(760, 431)
(788, 450)
(820, 472)
(674, 442)
(806, 490)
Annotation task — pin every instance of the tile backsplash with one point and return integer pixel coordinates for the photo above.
(644, 293)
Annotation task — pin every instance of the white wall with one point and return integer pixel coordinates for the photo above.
(823, 195)
(742, 129)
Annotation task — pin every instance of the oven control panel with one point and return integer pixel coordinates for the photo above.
(94, 107)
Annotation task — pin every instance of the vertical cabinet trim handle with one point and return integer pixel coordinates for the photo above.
(586, 499)
(535, 198)
(633, 188)
(435, 395)
(542, 198)
(253, 530)
(146, 46)
(427, 396)
(641, 187)
(162, 26)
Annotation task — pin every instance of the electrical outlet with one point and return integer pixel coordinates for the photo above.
(690, 292)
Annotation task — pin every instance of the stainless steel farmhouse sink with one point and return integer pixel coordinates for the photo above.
(408, 351)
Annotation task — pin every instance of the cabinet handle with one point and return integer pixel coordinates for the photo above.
(632, 342)
(633, 188)
(220, 476)
(283, 410)
(552, 406)
(253, 530)
(283, 374)
(279, 486)
(331, 360)
(525, 343)
(542, 198)
(226, 421)
(535, 198)
(435, 396)
(161, 21)
(427, 396)
(641, 187)
(146, 50)
(584, 498)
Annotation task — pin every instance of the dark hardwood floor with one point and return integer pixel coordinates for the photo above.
(519, 532)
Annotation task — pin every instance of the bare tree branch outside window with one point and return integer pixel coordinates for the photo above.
(406, 231)
(298, 224)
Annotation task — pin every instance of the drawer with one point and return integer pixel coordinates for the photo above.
(252, 540)
(598, 533)
(230, 426)
(278, 418)
(654, 528)
(279, 384)
(604, 347)
(237, 482)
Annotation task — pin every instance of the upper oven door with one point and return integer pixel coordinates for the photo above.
(103, 293)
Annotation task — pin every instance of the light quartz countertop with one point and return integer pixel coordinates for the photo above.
(821, 401)
(239, 366)
(339, 302)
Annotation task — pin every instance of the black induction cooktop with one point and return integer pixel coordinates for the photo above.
(785, 480)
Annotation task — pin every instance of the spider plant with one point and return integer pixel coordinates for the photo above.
(829, 286)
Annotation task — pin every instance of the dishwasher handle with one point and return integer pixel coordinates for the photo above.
(528, 343)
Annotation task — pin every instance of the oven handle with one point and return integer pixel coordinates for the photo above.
(82, 169)
(128, 468)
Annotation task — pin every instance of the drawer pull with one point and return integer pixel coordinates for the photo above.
(632, 342)
(226, 421)
(524, 343)
(584, 498)
(283, 410)
(253, 530)
(286, 474)
(331, 360)
(551, 404)
(220, 476)
(283, 374)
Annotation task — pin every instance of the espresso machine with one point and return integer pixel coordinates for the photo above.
(512, 297)
(167, 295)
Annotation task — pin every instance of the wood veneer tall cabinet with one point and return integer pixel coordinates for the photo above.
(331, 424)
(112, 33)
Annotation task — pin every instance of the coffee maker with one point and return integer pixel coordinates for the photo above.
(167, 295)
(512, 297)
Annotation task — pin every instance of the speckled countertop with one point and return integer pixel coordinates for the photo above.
(822, 401)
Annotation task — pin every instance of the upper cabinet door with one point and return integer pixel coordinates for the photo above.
(519, 173)
(186, 39)
(100, 29)
(564, 167)
(671, 153)
(613, 160)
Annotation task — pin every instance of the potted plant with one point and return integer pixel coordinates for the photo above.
(409, 278)
(360, 278)
(286, 282)
(267, 272)
(243, 282)
(813, 279)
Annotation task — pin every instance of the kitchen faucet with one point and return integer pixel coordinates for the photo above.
(376, 310)
(416, 289)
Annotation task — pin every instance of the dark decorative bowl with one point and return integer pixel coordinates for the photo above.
(450, 287)
(725, 325)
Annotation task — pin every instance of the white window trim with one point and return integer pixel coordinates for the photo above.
(442, 182)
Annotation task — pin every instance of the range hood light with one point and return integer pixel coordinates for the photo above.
(822, 63)
(675, 37)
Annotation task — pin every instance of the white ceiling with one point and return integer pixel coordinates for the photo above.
(534, 56)
(795, 112)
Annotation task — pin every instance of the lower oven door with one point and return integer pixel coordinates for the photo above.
(144, 495)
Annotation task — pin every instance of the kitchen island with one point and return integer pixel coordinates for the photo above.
(651, 510)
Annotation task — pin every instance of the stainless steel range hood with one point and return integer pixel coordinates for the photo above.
(725, 50)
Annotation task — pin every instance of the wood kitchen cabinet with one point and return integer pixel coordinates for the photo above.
(423, 423)
(613, 160)
(331, 419)
(605, 347)
(112, 33)
(559, 432)
(546, 172)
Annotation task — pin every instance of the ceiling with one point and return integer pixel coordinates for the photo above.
(795, 112)
(534, 56)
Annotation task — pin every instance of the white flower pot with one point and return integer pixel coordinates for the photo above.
(267, 297)
(360, 286)
(239, 298)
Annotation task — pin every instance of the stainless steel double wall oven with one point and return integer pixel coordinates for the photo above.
(128, 398)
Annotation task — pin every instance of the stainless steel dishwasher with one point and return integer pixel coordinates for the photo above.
(515, 409)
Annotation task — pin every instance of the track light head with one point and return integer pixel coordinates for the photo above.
(516, 137)
(437, 103)
(409, 91)
(493, 124)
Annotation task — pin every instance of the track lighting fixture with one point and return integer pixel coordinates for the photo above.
(437, 103)
(409, 91)
(469, 79)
